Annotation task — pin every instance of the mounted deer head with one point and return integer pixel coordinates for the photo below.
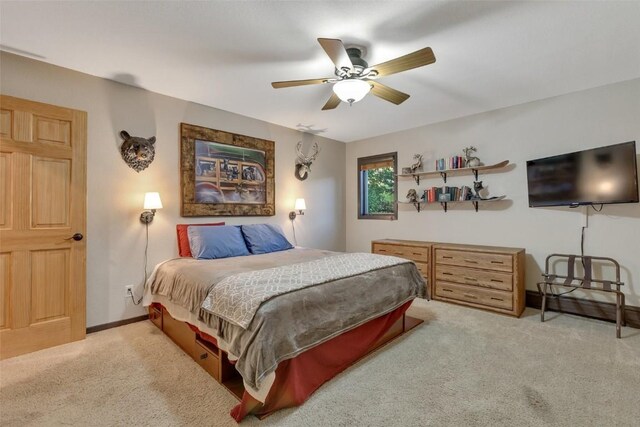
(303, 163)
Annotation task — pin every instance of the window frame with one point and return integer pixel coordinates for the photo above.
(372, 159)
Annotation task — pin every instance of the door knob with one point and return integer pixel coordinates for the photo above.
(77, 237)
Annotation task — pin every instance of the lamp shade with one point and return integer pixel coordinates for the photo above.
(351, 90)
(152, 201)
(300, 205)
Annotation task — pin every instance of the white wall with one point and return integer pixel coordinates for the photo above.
(577, 121)
(115, 237)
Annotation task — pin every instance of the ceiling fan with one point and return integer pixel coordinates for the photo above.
(355, 78)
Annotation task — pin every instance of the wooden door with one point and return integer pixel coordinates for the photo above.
(42, 205)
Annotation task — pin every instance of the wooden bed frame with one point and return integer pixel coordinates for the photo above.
(216, 362)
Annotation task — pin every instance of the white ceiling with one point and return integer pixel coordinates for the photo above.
(225, 54)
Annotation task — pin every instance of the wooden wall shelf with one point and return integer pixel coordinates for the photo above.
(444, 205)
(460, 171)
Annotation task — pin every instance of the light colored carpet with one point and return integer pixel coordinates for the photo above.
(461, 367)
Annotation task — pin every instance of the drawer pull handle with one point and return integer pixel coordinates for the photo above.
(204, 356)
(497, 262)
(471, 261)
(447, 290)
(470, 296)
(444, 273)
(447, 257)
(416, 253)
(497, 299)
(497, 280)
(399, 253)
(472, 279)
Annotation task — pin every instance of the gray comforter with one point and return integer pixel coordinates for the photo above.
(288, 324)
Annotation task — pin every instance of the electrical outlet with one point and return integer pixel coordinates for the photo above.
(128, 291)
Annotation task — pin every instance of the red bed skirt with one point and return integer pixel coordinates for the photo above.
(297, 378)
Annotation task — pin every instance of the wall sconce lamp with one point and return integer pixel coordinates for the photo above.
(299, 206)
(151, 203)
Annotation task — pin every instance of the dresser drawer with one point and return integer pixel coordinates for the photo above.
(424, 269)
(208, 357)
(475, 295)
(474, 259)
(413, 253)
(475, 277)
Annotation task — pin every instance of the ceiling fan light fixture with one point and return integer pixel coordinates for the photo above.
(351, 90)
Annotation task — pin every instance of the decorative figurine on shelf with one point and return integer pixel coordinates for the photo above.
(477, 187)
(417, 166)
(470, 160)
(412, 196)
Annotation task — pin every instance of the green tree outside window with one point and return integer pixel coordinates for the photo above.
(377, 187)
(380, 185)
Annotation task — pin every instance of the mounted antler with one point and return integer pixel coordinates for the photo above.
(302, 159)
(303, 163)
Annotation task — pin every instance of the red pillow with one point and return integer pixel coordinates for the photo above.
(183, 237)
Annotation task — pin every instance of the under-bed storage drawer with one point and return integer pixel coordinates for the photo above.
(205, 353)
(475, 295)
(155, 315)
(208, 356)
(179, 332)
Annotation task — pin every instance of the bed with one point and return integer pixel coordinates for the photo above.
(274, 350)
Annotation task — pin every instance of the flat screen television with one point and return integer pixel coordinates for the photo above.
(591, 177)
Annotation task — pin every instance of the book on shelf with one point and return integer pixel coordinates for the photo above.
(447, 194)
(453, 162)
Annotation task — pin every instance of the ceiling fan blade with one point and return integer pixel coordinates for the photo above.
(336, 51)
(387, 93)
(416, 59)
(291, 83)
(332, 103)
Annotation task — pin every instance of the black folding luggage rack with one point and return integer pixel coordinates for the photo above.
(585, 282)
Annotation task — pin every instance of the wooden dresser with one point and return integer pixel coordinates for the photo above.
(486, 277)
(418, 252)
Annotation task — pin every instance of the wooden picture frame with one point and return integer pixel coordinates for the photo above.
(225, 174)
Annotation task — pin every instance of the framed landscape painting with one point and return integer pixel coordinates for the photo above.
(225, 174)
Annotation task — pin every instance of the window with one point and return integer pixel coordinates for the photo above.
(377, 187)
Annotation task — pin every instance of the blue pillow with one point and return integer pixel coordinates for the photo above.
(265, 238)
(216, 242)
